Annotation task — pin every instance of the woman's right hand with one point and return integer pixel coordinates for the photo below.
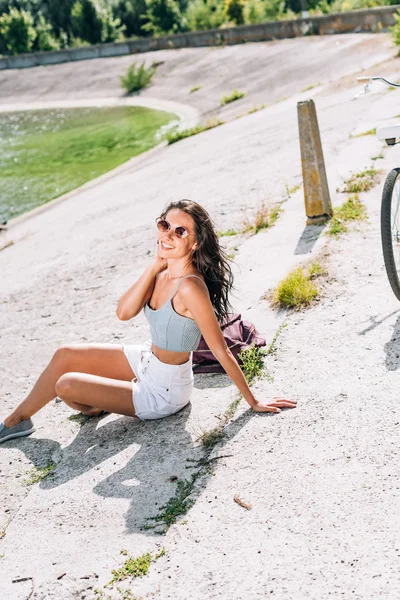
(159, 263)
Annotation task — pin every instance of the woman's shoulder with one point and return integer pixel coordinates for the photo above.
(192, 283)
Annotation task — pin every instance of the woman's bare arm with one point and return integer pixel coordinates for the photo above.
(132, 301)
(197, 301)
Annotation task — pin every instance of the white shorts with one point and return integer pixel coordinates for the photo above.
(161, 389)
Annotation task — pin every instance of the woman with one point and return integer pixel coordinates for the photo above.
(184, 293)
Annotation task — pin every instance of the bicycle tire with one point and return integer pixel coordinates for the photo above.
(391, 252)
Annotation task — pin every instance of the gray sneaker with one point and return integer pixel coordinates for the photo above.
(24, 428)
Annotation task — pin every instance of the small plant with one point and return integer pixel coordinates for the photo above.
(175, 136)
(235, 95)
(361, 182)
(266, 216)
(252, 362)
(369, 132)
(272, 347)
(195, 88)
(37, 474)
(316, 270)
(176, 506)
(228, 232)
(351, 210)
(137, 77)
(296, 290)
(132, 567)
(378, 156)
(292, 190)
(395, 30)
(255, 109)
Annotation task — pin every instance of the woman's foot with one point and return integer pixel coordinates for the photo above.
(20, 430)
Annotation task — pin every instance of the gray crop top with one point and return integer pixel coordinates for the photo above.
(170, 330)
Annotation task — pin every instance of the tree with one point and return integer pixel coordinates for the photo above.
(45, 39)
(164, 17)
(16, 28)
(132, 14)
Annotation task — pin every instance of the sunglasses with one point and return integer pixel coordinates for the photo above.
(179, 231)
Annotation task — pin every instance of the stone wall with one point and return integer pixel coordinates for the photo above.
(368, 20)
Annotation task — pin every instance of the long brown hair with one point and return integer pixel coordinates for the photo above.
(208, 258)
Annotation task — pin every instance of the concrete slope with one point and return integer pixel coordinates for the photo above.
(266, 71)
(315, 527)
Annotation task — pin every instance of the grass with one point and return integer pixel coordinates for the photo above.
(265, 217)
(134, 567)
(351, 210)
(228, 232)
(195, 88)
(252, 362)
(235, 95)
(361, 182)
(369, 132)
(137, 77)
(378, 156)
(176, 506)
(292, 190)
(255, 109)
(175, 136)
(273, 345)
(47, 153)
(310, 87)
(297, 289)
(36, 474)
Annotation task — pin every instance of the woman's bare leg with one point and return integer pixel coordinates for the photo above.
(105, 393)
(103, 360)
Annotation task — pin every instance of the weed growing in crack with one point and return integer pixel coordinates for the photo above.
(37, 474)
(361, 182)
(351, 210)
(296, 290)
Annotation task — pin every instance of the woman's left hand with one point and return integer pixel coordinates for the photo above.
(275, 406)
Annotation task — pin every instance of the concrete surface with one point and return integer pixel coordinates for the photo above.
(322, 479)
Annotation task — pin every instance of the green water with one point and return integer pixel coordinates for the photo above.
(46, 153)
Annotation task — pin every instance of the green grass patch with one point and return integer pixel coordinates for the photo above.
(235, 95)
(255, 109)
(175, 136)
(50, 152)
(137, 77)
(292, 190)
(252, 362)
(364, 133)
(361, 182)
(351, 210)
(378, 156)
(228, 233)
(132, 567)
(296, 290)
(195, 88)
(36, 474)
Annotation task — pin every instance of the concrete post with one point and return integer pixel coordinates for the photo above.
(316, 192)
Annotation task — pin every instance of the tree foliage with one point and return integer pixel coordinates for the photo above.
(17, 31)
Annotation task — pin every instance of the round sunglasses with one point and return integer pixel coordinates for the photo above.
(179, 231)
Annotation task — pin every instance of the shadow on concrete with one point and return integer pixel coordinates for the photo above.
(375, 322)
(163, 452)
(392, 348)
(308, 238)
(203, 381)
(157, 472)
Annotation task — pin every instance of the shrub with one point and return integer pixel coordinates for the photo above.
(235, 95)
(17, 31)
(234, 11)
(137, 77)
(296, 290)
(205, 14)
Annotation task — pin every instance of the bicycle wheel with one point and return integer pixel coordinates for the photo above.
(390, 229)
